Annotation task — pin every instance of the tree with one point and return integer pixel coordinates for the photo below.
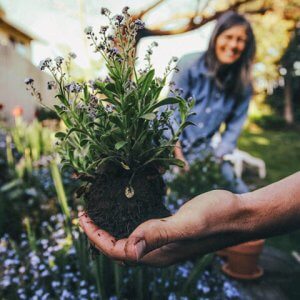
(196, 13)
(291, 69)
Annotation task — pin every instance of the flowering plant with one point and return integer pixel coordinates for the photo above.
(118, 122)
(116, 119)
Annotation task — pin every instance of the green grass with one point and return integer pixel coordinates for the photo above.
(281, 152)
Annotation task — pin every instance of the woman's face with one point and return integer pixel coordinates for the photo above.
(230, 44)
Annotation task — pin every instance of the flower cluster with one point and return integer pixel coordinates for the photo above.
(39, 274)
(31, 88)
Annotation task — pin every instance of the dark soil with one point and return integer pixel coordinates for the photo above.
(111, 210)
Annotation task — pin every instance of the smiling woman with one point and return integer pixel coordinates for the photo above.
(230, 44)
(220, 81)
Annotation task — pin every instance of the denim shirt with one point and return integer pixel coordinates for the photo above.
(213, 107)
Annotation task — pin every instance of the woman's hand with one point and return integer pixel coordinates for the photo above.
(179, 155)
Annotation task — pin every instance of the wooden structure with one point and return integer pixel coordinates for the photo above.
(11, 35)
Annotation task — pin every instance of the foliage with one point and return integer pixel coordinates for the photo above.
(272, 33)
(58, 268)
(50, 259)
(280, 150)
(204, 175)
(118, 120)
(27, 187)
(45, 114)
(269, 122)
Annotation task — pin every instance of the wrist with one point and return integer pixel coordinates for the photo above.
(230, 215)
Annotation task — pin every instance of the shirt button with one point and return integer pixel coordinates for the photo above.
(208, 110)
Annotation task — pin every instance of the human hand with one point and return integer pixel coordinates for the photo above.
(161, 242)
(130, 251)
(179, 155)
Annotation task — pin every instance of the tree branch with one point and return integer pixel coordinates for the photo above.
(145, 11)
(191, 24)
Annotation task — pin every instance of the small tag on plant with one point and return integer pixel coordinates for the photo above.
(129, 192)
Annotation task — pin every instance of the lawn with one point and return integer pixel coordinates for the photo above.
(281, 152)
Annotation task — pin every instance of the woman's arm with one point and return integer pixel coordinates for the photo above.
(233, 126)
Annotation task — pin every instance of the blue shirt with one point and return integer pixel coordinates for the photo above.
(213, 106)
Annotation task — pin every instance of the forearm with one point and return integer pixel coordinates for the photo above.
(269, 211)
(274, 209)
(219, 219)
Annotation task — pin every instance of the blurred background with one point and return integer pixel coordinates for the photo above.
(43, 254)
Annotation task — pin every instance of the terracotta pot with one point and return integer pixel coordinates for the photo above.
(242, 260)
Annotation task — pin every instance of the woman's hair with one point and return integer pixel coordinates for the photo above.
(238, 74)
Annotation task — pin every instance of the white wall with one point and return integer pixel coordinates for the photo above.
(13, 70)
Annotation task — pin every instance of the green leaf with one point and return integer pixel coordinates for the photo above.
(172, 161)
(116, 120)
(86, 93)
(146, 82)
(120, 144)
(59, 110)
(112, 101)
(60, 135)
(74, 129)
(166, 101)
(149, 116)
(185, 124)
(62, 99)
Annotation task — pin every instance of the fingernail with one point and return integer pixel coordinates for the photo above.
(139, 249)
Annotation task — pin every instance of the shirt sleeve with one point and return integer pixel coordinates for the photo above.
(234, 125)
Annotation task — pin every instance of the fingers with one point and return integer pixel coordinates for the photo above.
(173, 253)
(148, 236)
(101, 239)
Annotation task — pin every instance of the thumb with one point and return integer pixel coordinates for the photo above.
(148, 236)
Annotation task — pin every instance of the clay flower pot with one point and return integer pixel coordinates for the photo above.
(242, 260)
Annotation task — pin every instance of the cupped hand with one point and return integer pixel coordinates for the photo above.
(161, 242)
(152, 243)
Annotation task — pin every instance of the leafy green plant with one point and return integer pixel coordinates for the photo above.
(115, 134)
(203, 176)
(118, 119)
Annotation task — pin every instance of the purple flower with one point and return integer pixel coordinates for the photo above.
(105, 11)
(118, 18)
(28, 81)
(73, 87)
(45, 63)
(114, 51)
(125, 10)
(59, 60)
(139, 24)
(103, 29)
(51, 84)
